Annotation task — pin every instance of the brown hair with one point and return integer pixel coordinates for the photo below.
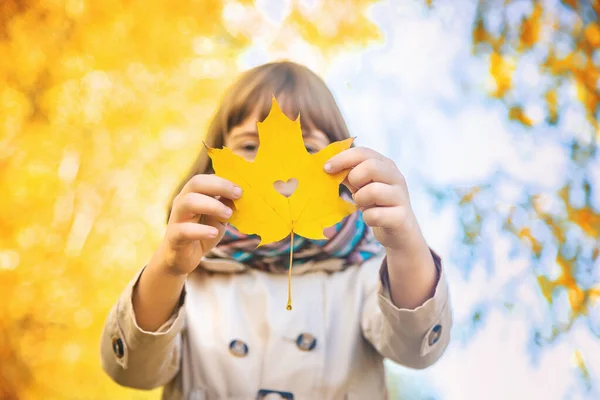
(297, 89)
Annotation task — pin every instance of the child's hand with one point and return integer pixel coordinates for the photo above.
(194, 227)
(379, 190)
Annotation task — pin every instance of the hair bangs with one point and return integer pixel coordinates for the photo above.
(298, 91)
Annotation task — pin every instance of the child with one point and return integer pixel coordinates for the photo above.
(206, 317)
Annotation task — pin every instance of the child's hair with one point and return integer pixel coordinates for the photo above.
(297, 89)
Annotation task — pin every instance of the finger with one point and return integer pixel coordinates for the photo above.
(218, 223)
(374, 170)
(385, 217)
(212, 185)
(351, 188)
(189, 206)
(228, 203)
(349, 159)
(377, 194)
(189, 231)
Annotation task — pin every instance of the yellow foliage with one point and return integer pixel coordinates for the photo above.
(546, 287)
(330, 21)
(535, 244)
(515, 39)
(103, 105)
(581, 366)
(516, 113)
(562, 45)
(530, 27)
(551, 98)
(480, 35)
(467, 196)
(592, 34)
(501, 70)
(587, 219)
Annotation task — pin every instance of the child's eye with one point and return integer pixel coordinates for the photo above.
(311, 149)
(249, 147)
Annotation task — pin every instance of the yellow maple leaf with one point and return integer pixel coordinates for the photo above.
(314, 205)
(262, 210)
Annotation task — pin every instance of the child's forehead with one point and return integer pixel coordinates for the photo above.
(290, 107)
(290, 104)
(247, 125)
(248, 129)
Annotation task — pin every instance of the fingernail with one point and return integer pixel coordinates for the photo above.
(327, 167)
(237, 191)
(213, 232)
(227, 213)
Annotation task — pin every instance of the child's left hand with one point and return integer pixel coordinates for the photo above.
(380, 191)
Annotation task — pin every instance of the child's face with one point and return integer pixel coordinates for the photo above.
(243, 139)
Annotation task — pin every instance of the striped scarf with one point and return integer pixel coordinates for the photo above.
(353, 243)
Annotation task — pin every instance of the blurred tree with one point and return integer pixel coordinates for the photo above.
(544, 65)
(102, 107)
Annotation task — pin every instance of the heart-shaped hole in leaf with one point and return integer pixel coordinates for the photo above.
(287, 188)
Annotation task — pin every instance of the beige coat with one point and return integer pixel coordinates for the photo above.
(232, 337)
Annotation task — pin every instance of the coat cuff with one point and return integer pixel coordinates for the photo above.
(427, 320)
(129, 335)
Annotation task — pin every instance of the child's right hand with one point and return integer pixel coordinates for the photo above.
(194, 228)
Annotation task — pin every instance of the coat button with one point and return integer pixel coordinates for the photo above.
(118, 349)
(266, 394)
(306, 342)
(271, 396)
(238, 348)
(435, 334)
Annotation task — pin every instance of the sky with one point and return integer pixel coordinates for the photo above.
(420, 99)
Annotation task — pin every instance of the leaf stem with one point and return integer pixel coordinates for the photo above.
(289, 303)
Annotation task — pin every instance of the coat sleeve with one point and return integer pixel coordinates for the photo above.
(414, 338)
(136, 358)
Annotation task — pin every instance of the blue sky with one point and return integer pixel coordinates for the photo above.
(420, 98)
